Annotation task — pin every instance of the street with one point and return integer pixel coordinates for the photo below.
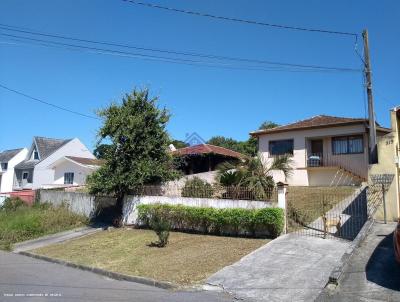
(26, 279)
(372, 274)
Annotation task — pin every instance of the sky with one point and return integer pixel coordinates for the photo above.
(206, 100)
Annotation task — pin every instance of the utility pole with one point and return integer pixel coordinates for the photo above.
(373, 155)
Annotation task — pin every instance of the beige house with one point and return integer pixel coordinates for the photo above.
(326, 150)
(389, 163)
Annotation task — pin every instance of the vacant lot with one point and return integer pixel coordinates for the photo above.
(187, 259)
(305, 204)
(24, 223)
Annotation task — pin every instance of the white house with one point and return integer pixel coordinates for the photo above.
(326, 150)
(36, 171)
(8, 160)
(72, 170)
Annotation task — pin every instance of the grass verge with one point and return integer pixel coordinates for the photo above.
(25, 223)
(186, 260)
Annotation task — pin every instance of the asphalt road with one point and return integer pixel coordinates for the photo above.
(372, 274)
(26, 279)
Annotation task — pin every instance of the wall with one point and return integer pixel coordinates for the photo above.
(43, 175)
(300, 175)
(131, 203)
(80, 173)
(322, 177)
(389, 164)
(7, 178)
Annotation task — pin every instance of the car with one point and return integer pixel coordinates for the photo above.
(396, 242)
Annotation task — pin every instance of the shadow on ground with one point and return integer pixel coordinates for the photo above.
(382, 267)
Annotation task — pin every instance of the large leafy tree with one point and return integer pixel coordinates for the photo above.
(137, 152)
(268, 125)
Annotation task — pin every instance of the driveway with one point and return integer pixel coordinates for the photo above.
(290, 268)
(24, 276)
(372, 273)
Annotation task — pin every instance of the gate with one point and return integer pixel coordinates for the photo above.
(338, 212)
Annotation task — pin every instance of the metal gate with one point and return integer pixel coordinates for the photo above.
(338, 212)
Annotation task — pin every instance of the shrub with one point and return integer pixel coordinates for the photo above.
(160, 224)
(197, 187)
(12, 204)
(245, 222)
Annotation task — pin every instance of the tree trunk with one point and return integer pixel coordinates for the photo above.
(119, 205)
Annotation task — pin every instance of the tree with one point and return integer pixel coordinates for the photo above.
(248, 147)
(179, 144)
(138, 151)
(268, 125)
(254, 174)
(101, 150)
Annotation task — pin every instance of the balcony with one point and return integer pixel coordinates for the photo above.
(355, 164)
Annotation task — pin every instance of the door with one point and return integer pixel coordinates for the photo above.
(317, 150)
(25, 176)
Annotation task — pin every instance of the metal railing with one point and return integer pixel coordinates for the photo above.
(215, 191)
(346, 162)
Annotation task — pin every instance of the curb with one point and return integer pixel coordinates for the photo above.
(103, 272)
(337, 272)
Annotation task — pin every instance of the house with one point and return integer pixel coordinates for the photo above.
(326, 150)
(202, 160)
(389, 165)
(8, 160)
(34, 171)
(72, 170)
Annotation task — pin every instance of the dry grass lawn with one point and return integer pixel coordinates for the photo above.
(188, 258)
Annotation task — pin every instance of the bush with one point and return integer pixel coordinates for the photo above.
(197, 187)
(244, 222)
(12, 204)
(160, 225)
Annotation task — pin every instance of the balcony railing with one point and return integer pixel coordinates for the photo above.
(343, 161)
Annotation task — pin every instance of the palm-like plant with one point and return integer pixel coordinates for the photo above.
(254, 174)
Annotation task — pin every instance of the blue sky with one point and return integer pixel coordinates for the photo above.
(209, 101)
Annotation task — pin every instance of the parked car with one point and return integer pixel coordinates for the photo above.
(396, 242)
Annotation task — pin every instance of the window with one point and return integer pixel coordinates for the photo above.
(25, 175)
(281, 147)
(69, 178)
(4, 166)
(35, 155)
(347, 145)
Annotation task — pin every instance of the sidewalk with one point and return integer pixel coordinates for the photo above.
(289, 268)
(372, 273)
(54, 238)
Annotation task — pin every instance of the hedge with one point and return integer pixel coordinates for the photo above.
(267, 222)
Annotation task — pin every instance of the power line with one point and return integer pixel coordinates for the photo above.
(171, 59)
(47, 103)
(192, 54)
(194, 13)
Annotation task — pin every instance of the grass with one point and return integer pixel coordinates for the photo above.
(308, 203)
(187, 259)
(25, 223)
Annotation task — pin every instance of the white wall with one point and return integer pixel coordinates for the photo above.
(7, 178)
(43, 175)
(130, 213)
(80, 173)
(300, 175)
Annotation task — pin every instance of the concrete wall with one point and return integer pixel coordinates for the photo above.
(80, 173)
(300, 175)
(43, 175)
(325, 177)
(131, 203)
(7, 177)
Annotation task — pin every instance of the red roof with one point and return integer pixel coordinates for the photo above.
(207, 149)
(319, 121)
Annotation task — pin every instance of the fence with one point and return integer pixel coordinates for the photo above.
(214, 191)
(332, 212)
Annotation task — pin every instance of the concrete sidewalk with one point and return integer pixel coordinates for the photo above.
(290, 268)
(54, 238)
(372, 273)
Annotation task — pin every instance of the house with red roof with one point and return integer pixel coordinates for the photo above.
(326, 150)
(203, 159)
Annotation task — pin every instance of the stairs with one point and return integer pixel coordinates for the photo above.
(346, 177)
